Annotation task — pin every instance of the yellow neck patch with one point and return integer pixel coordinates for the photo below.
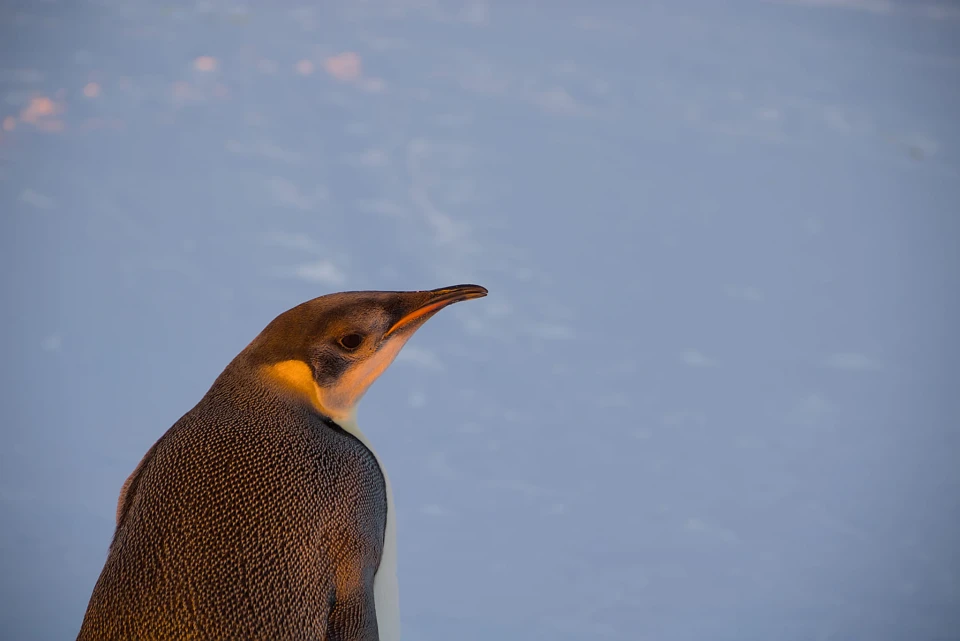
(338, 401)
(297, 377)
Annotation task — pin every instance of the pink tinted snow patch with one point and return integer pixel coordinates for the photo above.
(343, 66)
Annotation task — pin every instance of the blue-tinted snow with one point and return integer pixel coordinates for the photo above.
(712, 393)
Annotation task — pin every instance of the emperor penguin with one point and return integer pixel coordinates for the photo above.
(264, 512)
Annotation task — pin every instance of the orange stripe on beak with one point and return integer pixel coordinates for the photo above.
(437, 300)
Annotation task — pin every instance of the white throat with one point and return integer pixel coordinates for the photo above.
(386, 590)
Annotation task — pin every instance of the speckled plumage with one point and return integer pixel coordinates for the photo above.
(264, 513)
(221, 533)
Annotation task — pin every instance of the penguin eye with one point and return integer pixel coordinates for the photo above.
(351, 341)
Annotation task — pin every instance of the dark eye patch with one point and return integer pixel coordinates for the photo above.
(329, 365)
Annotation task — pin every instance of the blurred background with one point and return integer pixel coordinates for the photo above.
(712, 394)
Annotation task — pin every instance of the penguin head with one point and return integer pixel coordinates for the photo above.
(328, 351)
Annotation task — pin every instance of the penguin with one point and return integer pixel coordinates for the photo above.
(264, 512)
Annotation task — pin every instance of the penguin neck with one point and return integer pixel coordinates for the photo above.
(385, 586)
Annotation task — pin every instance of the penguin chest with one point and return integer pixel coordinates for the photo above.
(350, 508)
(386, 587)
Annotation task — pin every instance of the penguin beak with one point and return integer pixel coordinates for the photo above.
(426, 304)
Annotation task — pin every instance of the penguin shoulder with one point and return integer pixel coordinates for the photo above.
(129, 489)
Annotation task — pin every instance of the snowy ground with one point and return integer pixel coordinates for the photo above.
(712, 393)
